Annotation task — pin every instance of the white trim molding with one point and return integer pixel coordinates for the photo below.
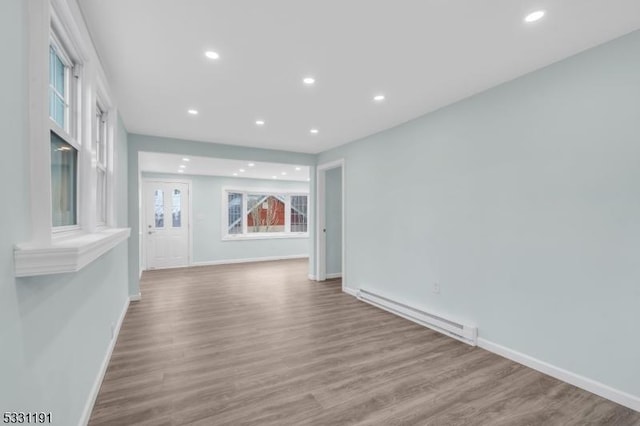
(66, 254)
(95, 389)
(590, 385)
(321, 262)
(135, 297)
(249, 260)
(312, 277)
(333, 276)
(264, 236)
(350, 291)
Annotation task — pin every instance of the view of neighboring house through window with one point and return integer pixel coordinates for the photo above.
(265, 213)
(251, 213)
(64, 148)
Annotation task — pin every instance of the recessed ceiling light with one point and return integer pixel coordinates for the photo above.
(211, 54)
(378, 98)
(186, 159)
(235, 174)
(182, 166)
(260, 122)
(180, 171)
(274, 177)
(298, 169)
(534, 16)
(241, 170)
(193, 111)
(283, 173)
(251, 164)
(314, 131)
(308, 179)
(309, 81)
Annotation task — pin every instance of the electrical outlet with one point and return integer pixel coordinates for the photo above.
(436, 288)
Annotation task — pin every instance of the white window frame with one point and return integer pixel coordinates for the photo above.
(66, 249)
(102, 148)
(71, 129)
(66, 131)
(245, 235)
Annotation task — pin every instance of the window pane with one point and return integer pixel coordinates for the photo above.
(159, 208)
(101, 137)
(299, 213)
(52, 66)
(58, 111)
(234, 226)
(57, 88)
(64, 167)
(176, 211)
(265, 213)
(101, 196)
(59, 81)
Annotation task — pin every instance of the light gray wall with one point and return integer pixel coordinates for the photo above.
(333, 201)
(54, 330)
(206, 202)
(523, 203)
(144, 143)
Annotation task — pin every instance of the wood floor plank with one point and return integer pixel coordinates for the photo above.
(260, 344)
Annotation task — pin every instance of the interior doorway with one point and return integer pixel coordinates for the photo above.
(166, 223)
(330, 213)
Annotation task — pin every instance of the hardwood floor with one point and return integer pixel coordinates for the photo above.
(259, 344)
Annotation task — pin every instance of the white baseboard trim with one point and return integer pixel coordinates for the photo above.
(93, 395)
(350, 291)
(327, 277)
(135, 297)
(248, 260)
(582, 382)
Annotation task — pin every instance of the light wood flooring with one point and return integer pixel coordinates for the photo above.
(260, 344)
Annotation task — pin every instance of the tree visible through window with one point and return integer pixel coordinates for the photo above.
(250, 213)
(265, 213)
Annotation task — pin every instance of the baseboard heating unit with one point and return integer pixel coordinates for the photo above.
(464, 333)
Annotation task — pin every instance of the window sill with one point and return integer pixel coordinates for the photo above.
(68, 253)
(274, 236)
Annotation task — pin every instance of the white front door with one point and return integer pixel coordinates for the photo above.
(166, 224)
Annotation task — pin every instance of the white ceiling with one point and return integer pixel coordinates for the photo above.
(170, 163)
(422, 54)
